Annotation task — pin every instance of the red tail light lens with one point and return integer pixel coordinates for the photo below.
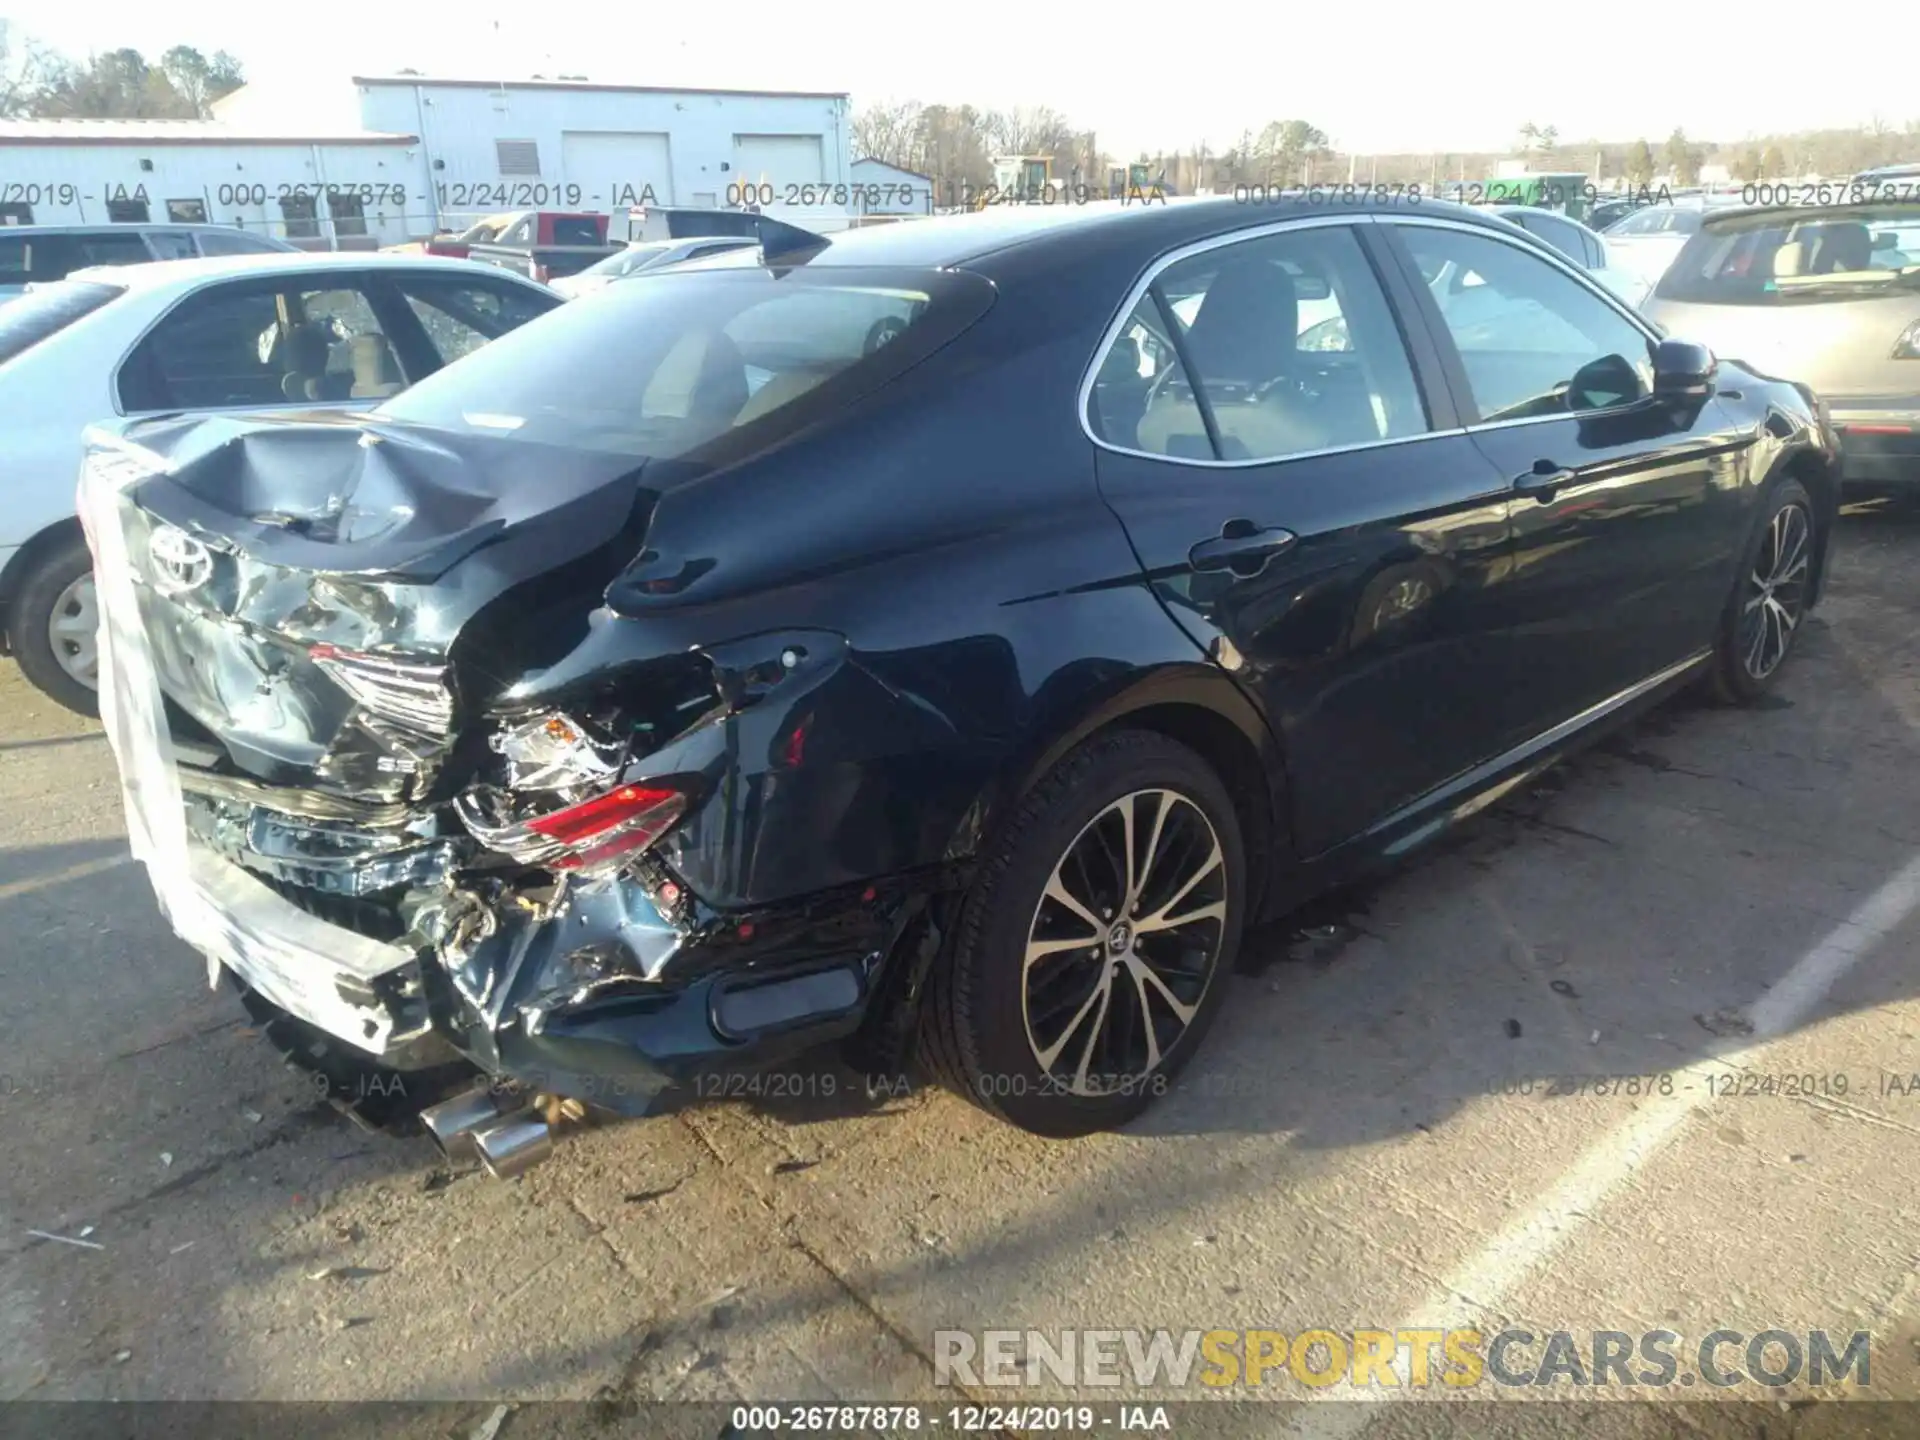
(611, 826)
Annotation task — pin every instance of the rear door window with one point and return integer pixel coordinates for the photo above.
(461, 315)
(171, 244)
(1292, 349)
(253, 343)
(112, 247)
(55, 256)
(25, 258)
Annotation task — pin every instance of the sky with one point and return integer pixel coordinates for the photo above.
(1399, 76)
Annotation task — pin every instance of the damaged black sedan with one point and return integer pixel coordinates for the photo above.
(943, 640)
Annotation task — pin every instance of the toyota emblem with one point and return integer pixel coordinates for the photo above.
(180, 563)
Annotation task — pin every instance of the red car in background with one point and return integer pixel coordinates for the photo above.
(570, 229)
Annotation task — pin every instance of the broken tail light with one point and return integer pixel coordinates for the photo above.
(605, 832)
(408, 694)
(588, 837)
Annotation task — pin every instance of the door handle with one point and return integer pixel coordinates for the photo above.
(1240, 548)
(1544, 481)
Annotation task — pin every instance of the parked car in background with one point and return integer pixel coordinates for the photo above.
(455, 245)
(1889, 182)
(690, 222)
(1829, 296)
(247, 332)
(32, 253)
(1580, 244)
(643, 256)
(1644, 243)
(544, 245)
(1605, 213)
(867, 645)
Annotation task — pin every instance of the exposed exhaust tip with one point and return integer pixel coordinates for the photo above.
(513, 1144)
(451, 1123)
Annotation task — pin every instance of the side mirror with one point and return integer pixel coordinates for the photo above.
(1683, 370)
(1604, 383)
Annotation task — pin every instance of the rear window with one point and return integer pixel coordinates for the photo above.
(25, 258)
(46, 310)
(1787, 257)
(1658, 220)
(666, 364)
(576, 230)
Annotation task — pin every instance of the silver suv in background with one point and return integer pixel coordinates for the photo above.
(32, 253)
(1828, 296)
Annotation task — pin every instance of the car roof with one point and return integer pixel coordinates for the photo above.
(115, 227)
(1536, 210)
(155, 273)
(1003, 231)
(1808, 214)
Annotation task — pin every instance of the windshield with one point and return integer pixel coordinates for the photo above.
(46, 309)
(1784, 257)
(664, 365)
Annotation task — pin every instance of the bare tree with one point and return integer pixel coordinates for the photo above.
(26, 69)
(888, 131)
(1284, 148)
(1639, 164)
(1024, 130)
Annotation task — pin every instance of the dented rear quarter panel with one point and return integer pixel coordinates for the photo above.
(970, 598)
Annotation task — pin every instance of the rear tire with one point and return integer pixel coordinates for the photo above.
(51, 592)
(1077, 986)
(1768, 606)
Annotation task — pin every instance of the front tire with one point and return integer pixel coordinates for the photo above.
(53, 627)
(1095, 946)
(1768, 606)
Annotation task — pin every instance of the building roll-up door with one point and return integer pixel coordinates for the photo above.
(618, 168)
(779, 161)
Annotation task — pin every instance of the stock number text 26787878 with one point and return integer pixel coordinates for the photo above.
(257, 193)
(765, 192)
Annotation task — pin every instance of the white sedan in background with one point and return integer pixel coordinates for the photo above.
(1645, 243)
(242, 332)
(644, 256)
(1585, 247)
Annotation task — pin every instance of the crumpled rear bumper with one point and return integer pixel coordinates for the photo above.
(364, 912)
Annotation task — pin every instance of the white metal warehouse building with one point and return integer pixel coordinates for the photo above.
(381, 160)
